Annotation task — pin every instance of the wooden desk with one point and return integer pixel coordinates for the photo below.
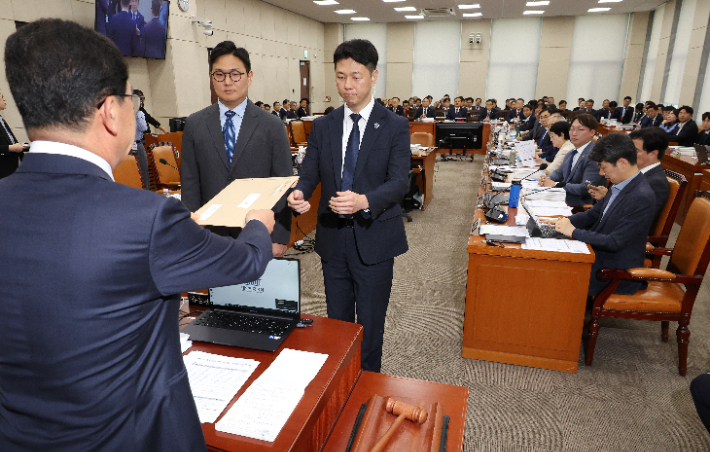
(692, 170)
(425, 182)
(313, 419)
(524, 307)
(705, 180)
(454, 400)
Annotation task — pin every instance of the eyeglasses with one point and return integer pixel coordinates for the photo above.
(220, 76)
(135, 100)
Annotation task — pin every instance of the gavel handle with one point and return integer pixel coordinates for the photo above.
(386, 437)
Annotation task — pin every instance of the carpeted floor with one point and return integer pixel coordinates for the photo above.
(631, 399)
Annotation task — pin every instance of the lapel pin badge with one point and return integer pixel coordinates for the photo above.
(377, 125)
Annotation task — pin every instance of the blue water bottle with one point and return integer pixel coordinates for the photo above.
(514, 193)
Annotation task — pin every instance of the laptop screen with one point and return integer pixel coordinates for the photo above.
(277, 292)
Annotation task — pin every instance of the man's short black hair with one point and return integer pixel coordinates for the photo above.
(560, 128)
(155, 7)
(125, 3)
(587, 120)
(59, 72)
(360, 50)
(276, 102)
(286, 101)
(258, 103)
(687, 109)
(581, 98)
(654, 139)
(478, 98)
(650, 104)
(613, 103)
(528, 106)
(469, 98)
(228, 48)
(612, 147)
(562, 102)
(627, 98)
(395, 97)
(405, 101)
(639, 106)
(590, 100)
(306, 99)
(668, 108)
(459, 98)
(660, 106)
(706, 115)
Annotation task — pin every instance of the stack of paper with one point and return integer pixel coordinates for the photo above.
(263, 409)
(214, 380)
(185, 342)
(526, 152)
(549, 208)
(558, 245)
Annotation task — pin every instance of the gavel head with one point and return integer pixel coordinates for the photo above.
(410, 412)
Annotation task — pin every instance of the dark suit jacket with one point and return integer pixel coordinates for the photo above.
(430, 112)
(656, 178)
(381, 174)
(512, 114)
(703, 138)
(626, 115)
(451, 113)
(292, 114)
(262, 150)
(9, 161)
(648, 122)
(687, 135)
(102, 15)
(529, 124)
(535, 133)
(398, 111)
(301, 112)
(585, 169)
(283, 113)
(153, 39)
(493, 114)
(618, 238)
(100, 366)
(122, 31)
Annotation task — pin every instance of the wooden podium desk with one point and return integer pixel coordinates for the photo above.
(425, 182)
(313, 419)
(524, 307)
(453, 399)
(705, 181)
(692, 170)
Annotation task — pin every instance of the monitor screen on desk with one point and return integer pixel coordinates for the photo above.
(456, 132)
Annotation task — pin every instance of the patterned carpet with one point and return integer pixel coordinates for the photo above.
(631, 399)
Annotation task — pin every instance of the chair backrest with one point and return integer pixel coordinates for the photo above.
(411, 113)
(299, 131)
(128, 172)
(691, 252)
(422, 139)
(474, 115)
(289, 134)
(165, 175)
(666, 218)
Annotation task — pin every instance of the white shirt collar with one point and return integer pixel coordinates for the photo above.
(649, 167)
(56, 148)
(239, 109)
(365, 112)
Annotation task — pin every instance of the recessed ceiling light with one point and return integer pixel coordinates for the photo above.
(543, 3)
(598, 10)
(414, 17)
(469, 6)
(405, 8)
(364, 19)
(393, 1)
(325, 2)
(528, 12)
(609, 1)
(472, 14)
(345, 11)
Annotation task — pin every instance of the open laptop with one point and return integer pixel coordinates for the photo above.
(702, 153)
(258, 314)
(539, 229)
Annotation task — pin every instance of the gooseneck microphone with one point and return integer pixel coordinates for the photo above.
(497, 215)
(165, 162)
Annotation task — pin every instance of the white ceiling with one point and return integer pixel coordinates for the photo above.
(379, 11)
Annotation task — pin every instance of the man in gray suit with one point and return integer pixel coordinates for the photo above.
(234, 139)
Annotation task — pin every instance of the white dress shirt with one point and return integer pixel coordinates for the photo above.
(56, 148)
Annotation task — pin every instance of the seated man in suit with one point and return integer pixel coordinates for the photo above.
(581, 105)
(154, 34)
(687, 130)
(457, 110)
(589, 105)
(478, 105)
(563, 105)
(303, 109)
(704, 136)
(396, 108)
(425, 111)
(639, 113)
(651, 144)
(617, 226)
(627, 111)
(528, 119)
(539, 130)
(652, 118)
(97, 266)
(577, 171)
(276, 111)
(293, 111)
(516, 113)
(489, 112)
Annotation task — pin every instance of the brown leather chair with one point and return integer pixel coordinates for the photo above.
(166, 175)
(411, 113)
(128, 172)
(661, 229)
(474, 115)
(422, 139)
(671, 293)
(298, 132)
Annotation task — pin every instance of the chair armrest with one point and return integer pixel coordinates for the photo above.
(660, 251)
(655, 274)
(587, 206)
(649, 248)
(647, 274)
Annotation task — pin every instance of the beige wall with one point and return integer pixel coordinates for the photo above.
(663, 44)
(633, 58)
(473, 66)
(333, 36)
(695, 50)
(400, 59)
(555, 48)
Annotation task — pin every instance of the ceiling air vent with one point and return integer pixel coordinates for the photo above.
(435, 13)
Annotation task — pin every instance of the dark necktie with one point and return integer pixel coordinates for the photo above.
(351, 151)
(229, 135)
(569, 165)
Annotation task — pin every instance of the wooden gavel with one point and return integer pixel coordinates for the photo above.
(403, 411)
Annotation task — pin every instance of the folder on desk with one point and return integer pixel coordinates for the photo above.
(230, 206)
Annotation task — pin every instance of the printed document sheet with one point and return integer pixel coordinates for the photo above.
(558, 245)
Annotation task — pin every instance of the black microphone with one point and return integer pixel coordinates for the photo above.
(165, 162)
(543, 167)
(499, 216)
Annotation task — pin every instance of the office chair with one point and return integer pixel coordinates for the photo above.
(165, 175)
(661, 229)
(128, 172)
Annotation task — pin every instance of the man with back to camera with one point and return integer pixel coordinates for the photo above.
(93, 272)
(617, 226)
(576, 168)
(123, 32)
(154, 34)
(651, 144)
(234, 139)
(360, 155)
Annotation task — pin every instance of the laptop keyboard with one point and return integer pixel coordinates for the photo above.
(241, 322)
(549, 232)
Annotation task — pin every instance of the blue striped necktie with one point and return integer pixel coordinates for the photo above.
(228, 132)
(569, 165)
(351, 152)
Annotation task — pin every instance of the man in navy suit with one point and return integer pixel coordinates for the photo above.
(123, 31)
(704, 136)
(457, 110)
(425, 111)
(92, 275)
(652, 118)
(687, 131)
(396, 108)
(154, 34)
(490, 112)
(577, 168)
(517, 112)
(617, 226)
(360, 155)
(627, 111)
